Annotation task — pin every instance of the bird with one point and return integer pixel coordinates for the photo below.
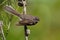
(26, 18)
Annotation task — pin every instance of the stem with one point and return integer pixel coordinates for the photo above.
(25, 26)
(8, 28)
(1, 31)
(26, 35)
(24, 7)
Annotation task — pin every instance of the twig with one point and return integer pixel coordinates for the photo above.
(1, 31)
(24, 7)
(25, 26)
(8, 28)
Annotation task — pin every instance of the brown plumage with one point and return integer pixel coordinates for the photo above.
(26, 19)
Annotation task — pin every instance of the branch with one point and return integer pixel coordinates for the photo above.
(24, 7)
(25, 26)
(1, 31)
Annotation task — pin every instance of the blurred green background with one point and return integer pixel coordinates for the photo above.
(48, 27)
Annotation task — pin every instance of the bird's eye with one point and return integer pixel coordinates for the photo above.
(36, 18)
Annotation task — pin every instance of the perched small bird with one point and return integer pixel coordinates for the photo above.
(26, 19)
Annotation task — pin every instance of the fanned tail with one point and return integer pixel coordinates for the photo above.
(11, 10)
